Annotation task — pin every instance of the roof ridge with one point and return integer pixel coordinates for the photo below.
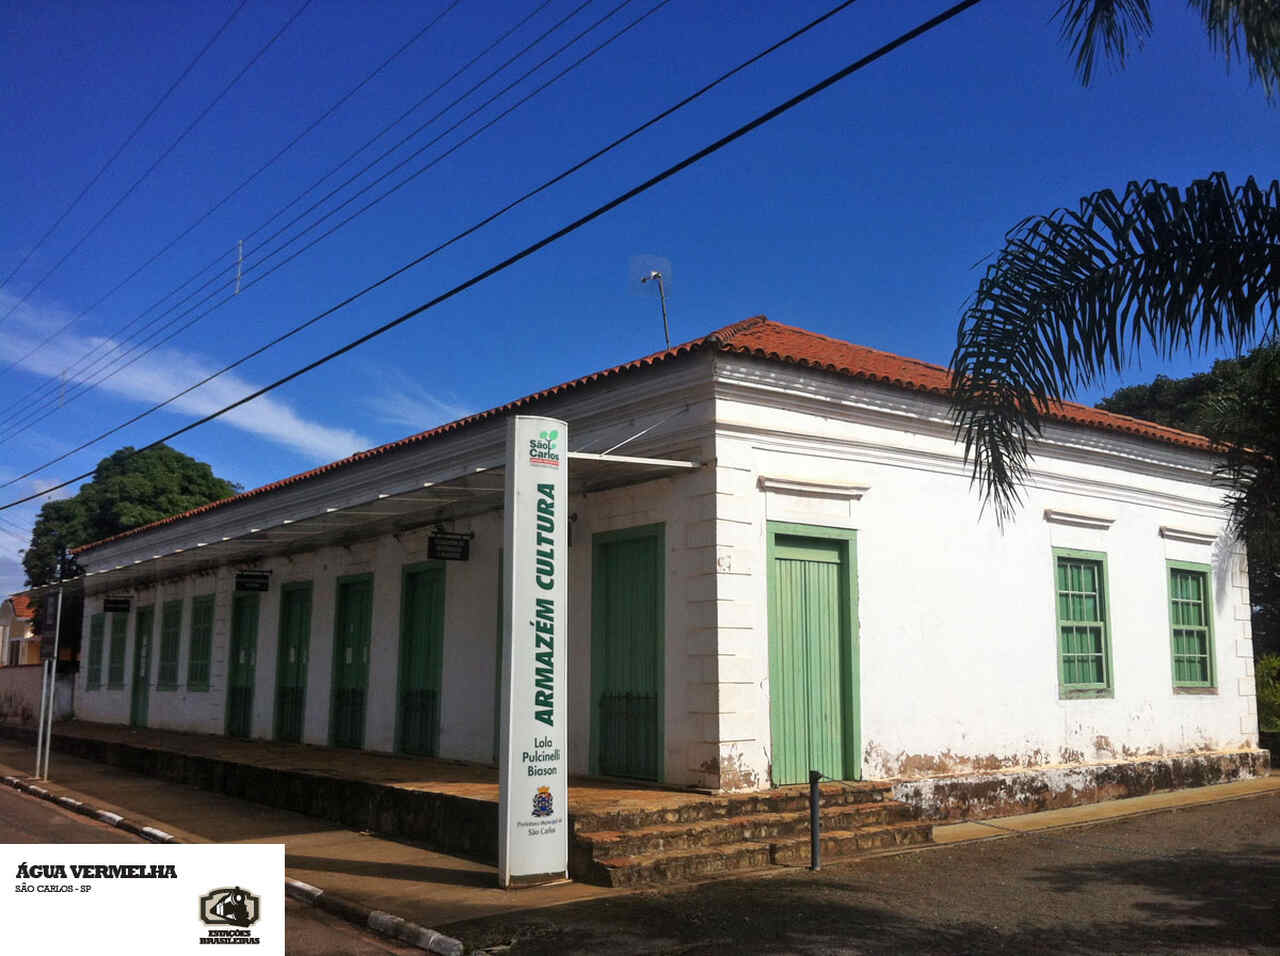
(720, 336)
(843, 343)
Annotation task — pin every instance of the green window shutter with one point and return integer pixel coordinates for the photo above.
(201, 642)
(119, 637)
(1084, 640)
(170, 638)
(1190, 625)
(97, 627)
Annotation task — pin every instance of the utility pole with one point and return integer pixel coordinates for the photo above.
(49, 687)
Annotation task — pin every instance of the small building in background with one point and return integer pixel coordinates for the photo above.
(19, 644)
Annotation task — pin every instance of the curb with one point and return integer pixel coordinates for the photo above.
(378, 921)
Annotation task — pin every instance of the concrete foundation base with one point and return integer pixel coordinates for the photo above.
(977, 796)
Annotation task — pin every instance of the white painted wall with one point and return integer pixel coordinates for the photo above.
(957, 631)
(957, 628)
(471, 621)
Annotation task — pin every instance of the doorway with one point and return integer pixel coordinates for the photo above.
(353, 624)
(243, 665)
(421, 658)
(140, 695)
(627, 618)
(291, 660)
(813, 654)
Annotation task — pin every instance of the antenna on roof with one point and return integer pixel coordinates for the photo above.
(662, 298)
(655, 269)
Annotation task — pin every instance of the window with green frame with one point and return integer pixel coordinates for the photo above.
(1190, 625)
(170, 639)
(97, 627)
(115, 658)
(1084, 638)
(201, 642)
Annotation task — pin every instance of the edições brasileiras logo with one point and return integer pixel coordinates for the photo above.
(229, 906)
(542, 450)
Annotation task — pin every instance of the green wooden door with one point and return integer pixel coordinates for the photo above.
(243, 664)
(810, 667)
(291, 660)
(353, 623)
(421, 659)
(144, 624)
(626, 658)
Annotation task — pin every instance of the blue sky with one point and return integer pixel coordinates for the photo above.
(861, 214)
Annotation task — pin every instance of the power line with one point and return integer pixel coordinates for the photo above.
(22, 405)
(169, 149)
(51, 402)
(127, 140)
(221, 202)
(444, 245)
(727, 139)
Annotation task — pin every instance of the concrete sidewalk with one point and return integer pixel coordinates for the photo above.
(403, 879)
(436, 889)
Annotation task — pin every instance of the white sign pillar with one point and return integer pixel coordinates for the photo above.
(533, 811)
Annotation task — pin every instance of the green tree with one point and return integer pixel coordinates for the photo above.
(128, 489)
(1246, 30)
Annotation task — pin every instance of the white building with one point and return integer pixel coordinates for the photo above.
(786, 570)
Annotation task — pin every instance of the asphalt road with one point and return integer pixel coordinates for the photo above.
(1197, 880)
(308, 931)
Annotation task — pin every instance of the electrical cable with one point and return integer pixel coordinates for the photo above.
(51, 404)
(22, 405)
(731, 137)
(123, 146)
(221, 202)
(169, 149)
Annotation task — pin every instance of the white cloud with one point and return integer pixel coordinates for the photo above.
(401, 400)
(164, 372)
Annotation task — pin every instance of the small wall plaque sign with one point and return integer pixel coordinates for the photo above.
(449, 546)
(253, 580)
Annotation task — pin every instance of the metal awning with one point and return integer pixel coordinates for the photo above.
(475, 492)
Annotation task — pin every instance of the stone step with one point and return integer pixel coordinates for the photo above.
(759, 827)
(680, 866)
(779, 800)
(704, 862)
(842, 844)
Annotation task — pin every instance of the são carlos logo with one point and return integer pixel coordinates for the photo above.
(542, 450)
(542, 802)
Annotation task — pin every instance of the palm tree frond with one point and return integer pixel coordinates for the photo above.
(1106, 26)
(1074, 293)
(1246, 30)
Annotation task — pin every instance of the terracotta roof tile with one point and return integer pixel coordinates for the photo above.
(758, 337)
(23, 609)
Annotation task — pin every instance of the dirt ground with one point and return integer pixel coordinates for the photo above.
(1203, 879)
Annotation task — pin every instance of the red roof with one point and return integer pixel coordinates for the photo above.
(759, 338)
(22, 607)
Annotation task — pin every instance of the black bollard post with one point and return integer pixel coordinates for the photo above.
(815, 822)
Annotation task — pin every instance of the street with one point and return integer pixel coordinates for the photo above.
(1199, 880)
(310, 932)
